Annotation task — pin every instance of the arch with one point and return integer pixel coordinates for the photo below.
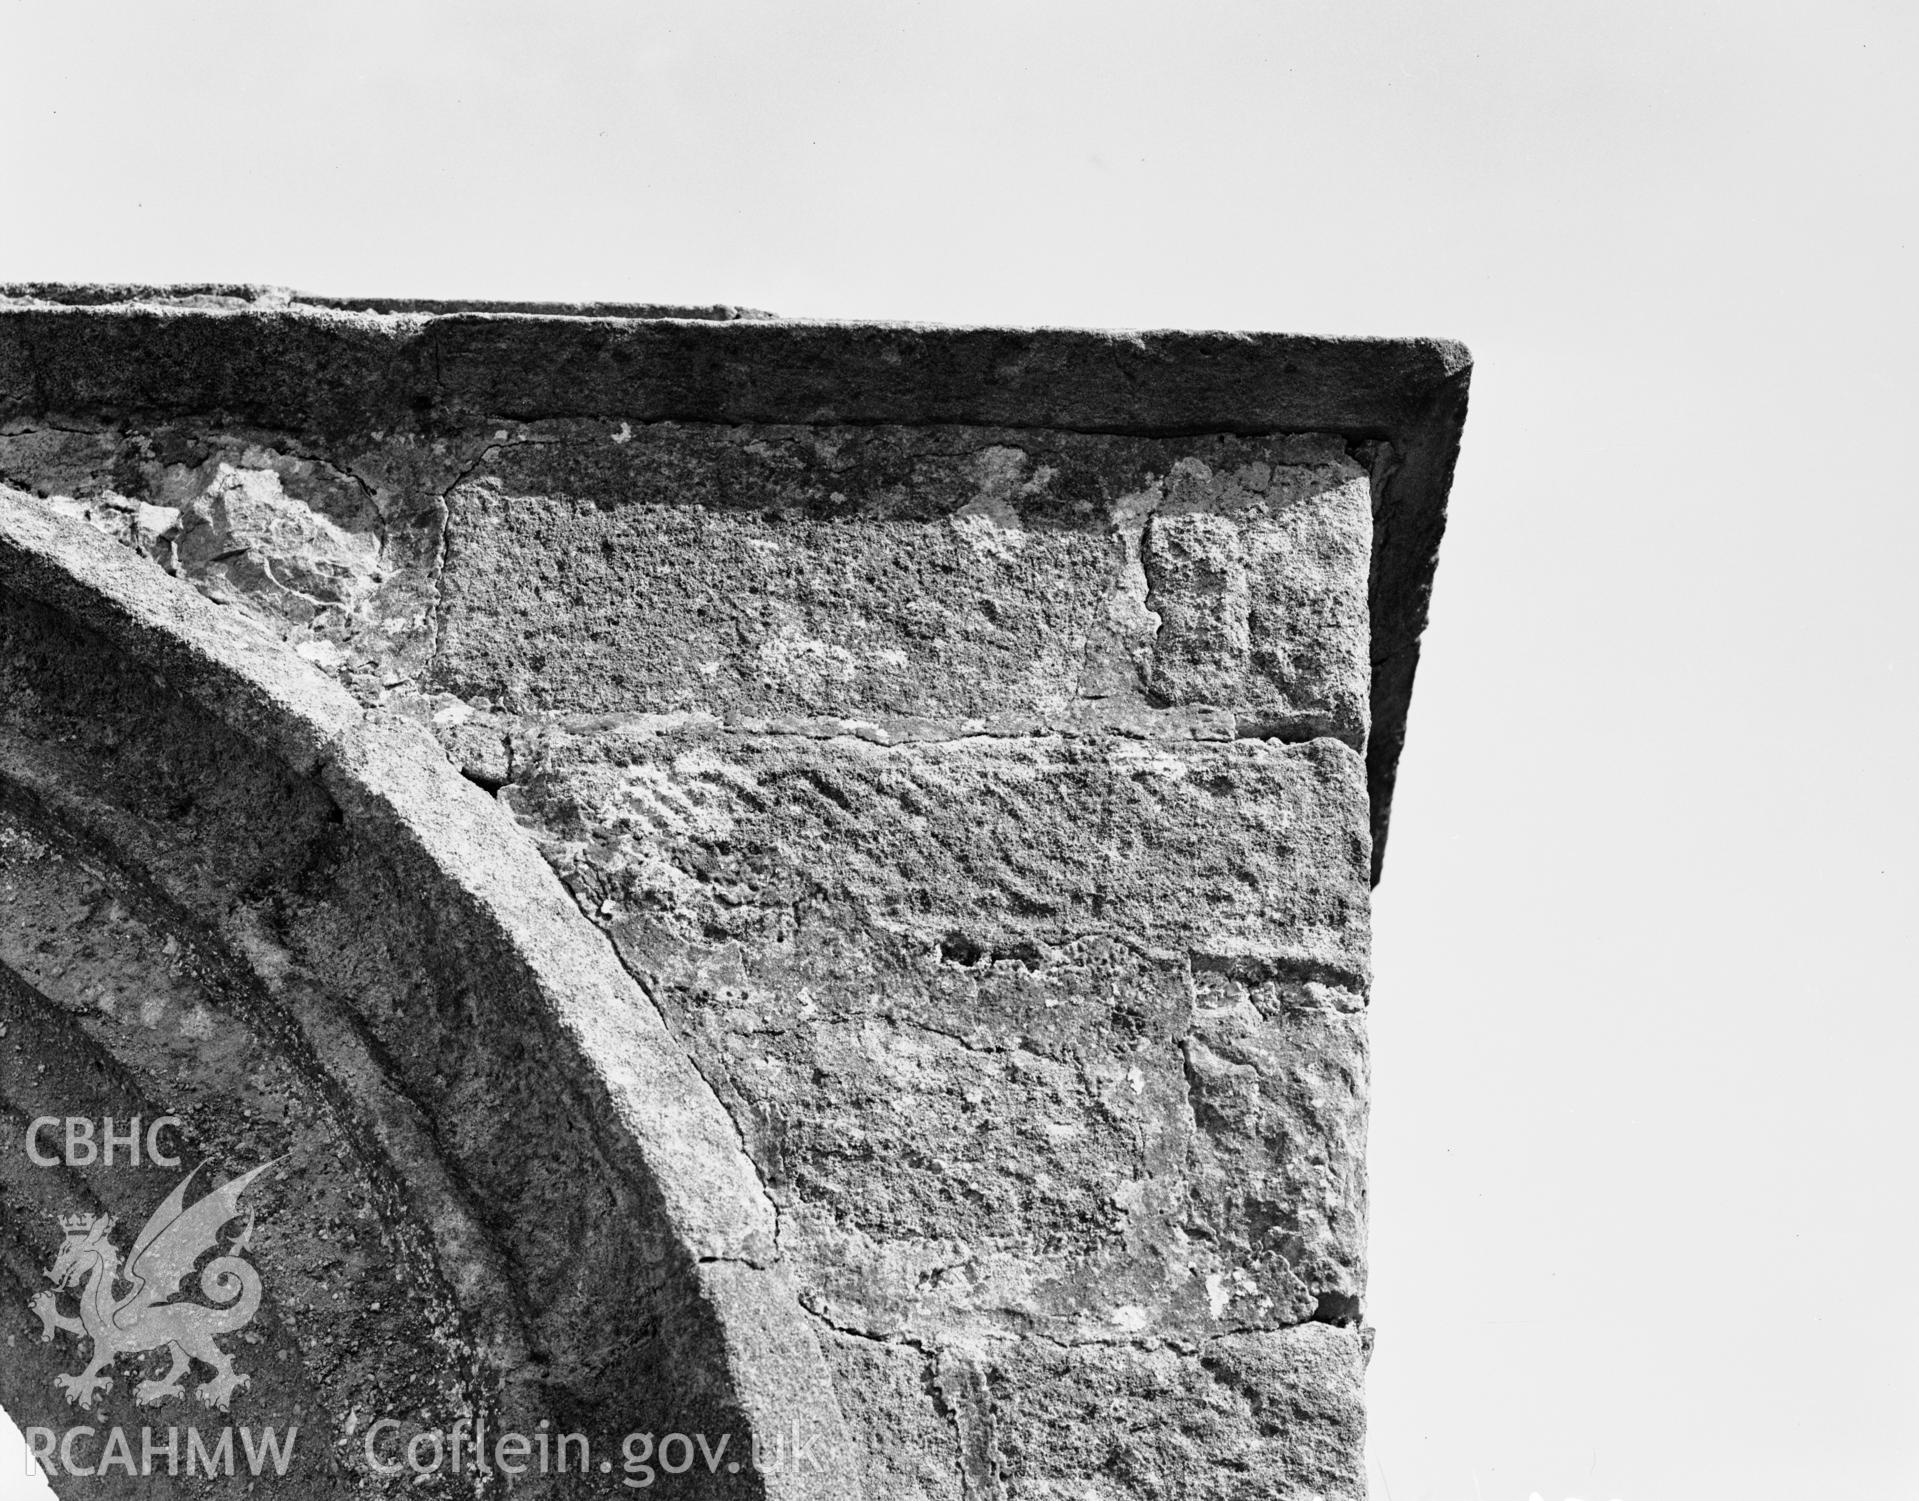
(243, 900)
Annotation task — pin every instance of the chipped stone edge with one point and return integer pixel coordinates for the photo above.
(392, 778)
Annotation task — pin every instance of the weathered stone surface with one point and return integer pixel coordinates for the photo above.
(1257, 579)
(884, 574)
(961, 742)
(347, 962)
(335, 559)
(1276, 1415)
(941, 573)
(1004, 1022)
(910, 1448)
(336, 371)
(1248, 851)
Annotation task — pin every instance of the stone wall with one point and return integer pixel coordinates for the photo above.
(968, 744)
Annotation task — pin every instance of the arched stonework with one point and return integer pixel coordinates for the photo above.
(500, 1189)
(904, 997)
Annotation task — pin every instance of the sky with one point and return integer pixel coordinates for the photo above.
(1641, 1152)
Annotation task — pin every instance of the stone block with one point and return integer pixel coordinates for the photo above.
(1002, 1021)
(951, 574)
(1276, 1414)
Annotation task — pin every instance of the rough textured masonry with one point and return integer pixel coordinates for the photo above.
(799, 884)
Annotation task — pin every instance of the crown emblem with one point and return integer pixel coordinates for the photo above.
(76, 1224)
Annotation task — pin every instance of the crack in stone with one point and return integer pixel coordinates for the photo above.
(436, 571)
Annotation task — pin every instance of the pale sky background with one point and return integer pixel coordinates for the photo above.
(1642, 1150)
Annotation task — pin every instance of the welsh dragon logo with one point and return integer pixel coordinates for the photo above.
(142, 1319)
